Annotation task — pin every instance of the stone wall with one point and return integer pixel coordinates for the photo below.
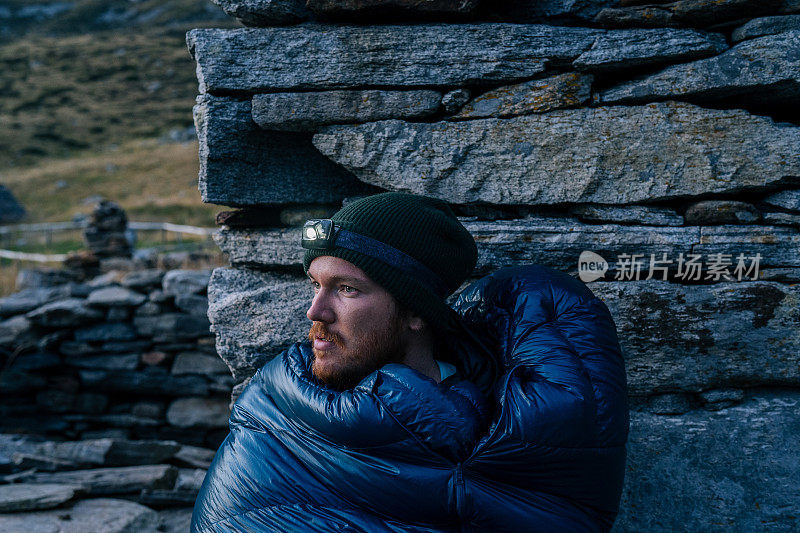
(662, 138)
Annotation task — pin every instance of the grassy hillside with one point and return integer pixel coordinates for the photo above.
(89, 87)
(151, 180)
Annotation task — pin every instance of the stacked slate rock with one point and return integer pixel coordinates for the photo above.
(660, 139)
(122, 355)
(112, 401)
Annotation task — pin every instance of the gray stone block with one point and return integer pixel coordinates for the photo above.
(310, 110)
(144, 280)
(99, 515)
(198, 363)
(143, 383)
(454, 100)
(692, 338)
(610, 155)
(207, 413)
(119, 331)
(107, 481)
(361, 8)
(323, 57)
(732, 469)
(31, 497)
(789, 199)
(721, 212)
(782, 219)
(242, 164)
(181, 282)
(537, 96)
(625, 49)
(65, 313)
(766, 26)
(115, 296)
(10, 209)
(765, 69)
(544, 10)
(255, 315)
(171, 327)
(29, 299)
(630, 214)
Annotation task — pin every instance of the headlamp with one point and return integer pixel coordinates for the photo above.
(319, 234)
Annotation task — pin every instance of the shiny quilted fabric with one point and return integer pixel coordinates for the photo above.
(533, 440)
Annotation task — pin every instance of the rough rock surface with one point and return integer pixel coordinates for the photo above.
(340, 8)
(241, 164)
(104, 481)
(693, 338)
(734, 468)
(182, 282)
(340, 57)
(536, 96)
(30, 497)
(546, 10)
(694, 13)
(789, 199)
(64, 313)
(199, 412)
(10, 208)
(721, 212)
(256, 315)
(766, 26)
(635, 48)
(630, 214)
(454, 100)
(265, 12)
(307, 111)
(611, 155)
(765, 69)
(100, 515)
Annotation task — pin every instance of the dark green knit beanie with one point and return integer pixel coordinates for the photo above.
(421, 227)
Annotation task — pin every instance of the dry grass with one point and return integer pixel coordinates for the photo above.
(150, 180)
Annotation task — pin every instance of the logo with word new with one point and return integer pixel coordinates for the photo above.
(591, 266)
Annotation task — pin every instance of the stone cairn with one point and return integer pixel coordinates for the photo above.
(554, 128)
(112, 396)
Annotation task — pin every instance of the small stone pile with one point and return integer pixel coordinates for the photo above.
(107, 233)
(661, 138)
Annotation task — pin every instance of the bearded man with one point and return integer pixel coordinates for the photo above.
(507, 412)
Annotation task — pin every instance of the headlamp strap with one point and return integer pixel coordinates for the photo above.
(392, 257)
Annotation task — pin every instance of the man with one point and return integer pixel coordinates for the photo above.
(508, 413)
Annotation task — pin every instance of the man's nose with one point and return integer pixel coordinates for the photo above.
(320, 310)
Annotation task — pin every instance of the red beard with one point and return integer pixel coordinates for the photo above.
(344, 367)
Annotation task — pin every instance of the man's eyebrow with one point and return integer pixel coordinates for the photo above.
(340, 279)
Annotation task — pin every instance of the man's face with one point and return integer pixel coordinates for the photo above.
(357, 325)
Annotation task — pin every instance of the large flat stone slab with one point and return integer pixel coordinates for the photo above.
(763, 70)
(243, 307)
(694, 337)
(639, 47)
(609, 155)
(345, 8)
(31, 497)
(732, 469)
(553, 242)
(242, 164)
(100, 515)
(308, 111)
(121, 480)
(766, 26)
(323, 57)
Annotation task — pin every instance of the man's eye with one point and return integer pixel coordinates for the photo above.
(348, 289)
(315, 284)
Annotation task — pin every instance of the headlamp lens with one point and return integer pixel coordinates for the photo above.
(319, 234)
